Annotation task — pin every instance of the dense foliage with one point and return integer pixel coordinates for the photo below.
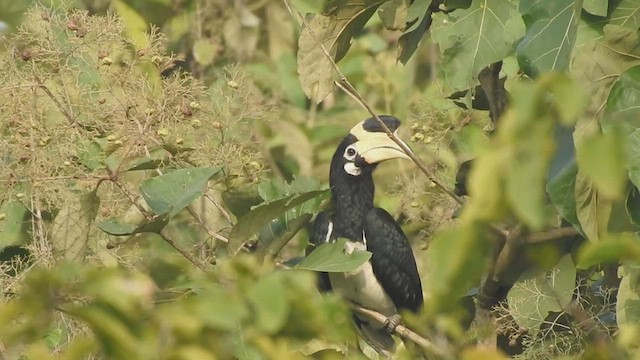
(161, 162)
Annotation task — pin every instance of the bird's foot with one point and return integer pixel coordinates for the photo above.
(392, 322)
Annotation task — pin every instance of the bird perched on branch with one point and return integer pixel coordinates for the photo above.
(389, 282)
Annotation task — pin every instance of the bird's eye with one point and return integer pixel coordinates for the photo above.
(350, 153)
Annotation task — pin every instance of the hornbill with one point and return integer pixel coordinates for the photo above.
(389, 281)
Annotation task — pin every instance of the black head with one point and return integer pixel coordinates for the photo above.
(365, 147)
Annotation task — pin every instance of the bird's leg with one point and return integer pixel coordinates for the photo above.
(391, 323)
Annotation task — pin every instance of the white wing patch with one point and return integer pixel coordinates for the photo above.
(329, 232)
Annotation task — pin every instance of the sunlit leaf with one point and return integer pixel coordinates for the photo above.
(534, 295)
(627, 14)
(135, 24)
(172, 192)
(334, 32)
(592, 208)
(622, 114)
(204, 52)
(333, 257)
(628, 298)
(14, 224)
(418, 20)
(71, 227)
(596, 7)
(473, 38)
(602, 159)
(612, 249)
(394, 13)
(551, 35)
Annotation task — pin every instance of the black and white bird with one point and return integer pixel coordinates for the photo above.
(389, 282)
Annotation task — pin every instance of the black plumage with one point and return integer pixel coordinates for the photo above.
(389, 282)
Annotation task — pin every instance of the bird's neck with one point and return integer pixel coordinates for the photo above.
(352, 198)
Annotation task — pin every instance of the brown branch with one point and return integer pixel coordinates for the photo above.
(351, 90)
(552, 234)
(405, 333)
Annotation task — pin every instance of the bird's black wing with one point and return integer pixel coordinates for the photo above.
(321, 233)
(393, 263)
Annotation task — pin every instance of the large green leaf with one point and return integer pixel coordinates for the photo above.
(561, 191)
(551, 34)
(71, 227)
(250, 223)
(332, 257)
(335, 32)
(610, 250)
(622, 113)
(172, 192)
(14, 224)
(596, 7)
(534, 295)
(628, 299)
(136, 26)
(601, 157)
(453, 272)
(418, 20)
(473, 38)
(593, 209)
(266, 298)
(627, 14)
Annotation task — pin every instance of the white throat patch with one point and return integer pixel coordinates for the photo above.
(352, 169)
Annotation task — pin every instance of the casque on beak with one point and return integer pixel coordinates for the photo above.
(376, 146)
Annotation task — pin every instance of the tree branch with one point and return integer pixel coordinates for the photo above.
(404, 332)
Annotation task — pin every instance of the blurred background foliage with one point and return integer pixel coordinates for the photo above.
(162, 160)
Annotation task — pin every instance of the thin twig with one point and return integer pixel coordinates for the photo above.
(163, 234)
(404, 332)
(350, 89)
(212, 233)
(222, 210)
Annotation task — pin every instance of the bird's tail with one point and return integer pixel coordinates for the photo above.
(375, 335)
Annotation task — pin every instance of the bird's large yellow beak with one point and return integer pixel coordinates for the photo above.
(376, 147)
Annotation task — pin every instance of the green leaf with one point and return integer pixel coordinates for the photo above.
(266, 297)
(622, 113)
(561, 190)
(627, 14)
(135, 24)
(612, 249)
(593, 209)
(172, 192)
(14, 224)
(418, 21)
(117, 228)
(596, 7)
(71, 227)
(632, 205)
(628, 299)
(240, 200)
(453, 272)
(601, 158)
(253, 221)
(534, 295)
(551, 35)
(334, 31)
(222, 310)
(204, 52)
(90, 154)
(334, 257)
(394, 14)
(473, 38)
